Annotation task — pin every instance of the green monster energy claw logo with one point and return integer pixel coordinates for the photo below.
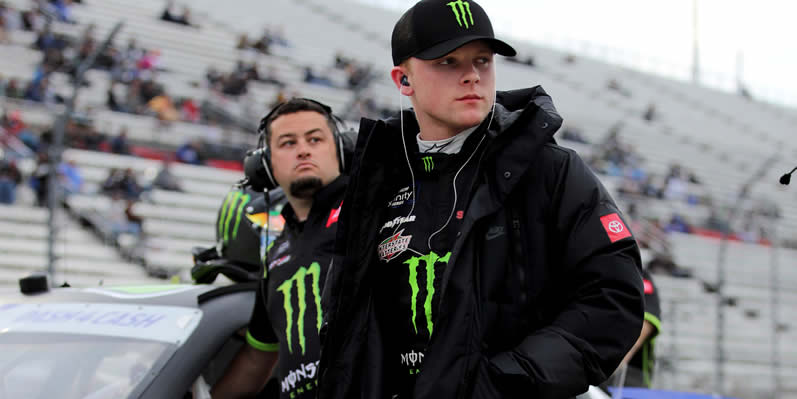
(428, 164)
(429, 260)
(464, 11)
(233, 205)
(301, 292)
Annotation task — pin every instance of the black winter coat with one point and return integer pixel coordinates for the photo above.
(541, 311)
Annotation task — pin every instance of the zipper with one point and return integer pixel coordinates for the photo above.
(518, 261)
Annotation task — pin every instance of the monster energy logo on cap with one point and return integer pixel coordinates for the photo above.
(286, 288)
(428, 164)
(230, 215)
(429, 260)
(461, 10)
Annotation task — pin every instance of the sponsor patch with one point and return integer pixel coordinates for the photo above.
(615, 228)
(648, 286)
(282, 248)
(393, 245)
(279, 262)
(404, 196)
(397, 222)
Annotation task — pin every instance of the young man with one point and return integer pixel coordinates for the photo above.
(481, 259)
(305, 162)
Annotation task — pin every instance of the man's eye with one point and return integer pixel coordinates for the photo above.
(287, 143)
(314, 139)
(448, 61)
(483, 60)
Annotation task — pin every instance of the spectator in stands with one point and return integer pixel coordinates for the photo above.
(9, 179)
(189, 111)
(263, 44)
(615, 85)
(47, 40)
(573, 133)
(123, 183)
(165, 179)
(311, 77)
(119, 144)
(41, 92)
(650, 113)
(69, 178)
(341, 62)
(119, 220)
(93, 140)
(111, 102)
(678, 224)
(63, 9)
(190, 153)
(163, 108)
(243, 42)
(14, 125)
(38, 179)
(54, 59)
(3, 25)
(33, 20)
(169, 15)
(13, 89)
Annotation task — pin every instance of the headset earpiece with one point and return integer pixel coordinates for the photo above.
(405, 81)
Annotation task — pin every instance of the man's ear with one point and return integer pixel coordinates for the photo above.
(396, 74)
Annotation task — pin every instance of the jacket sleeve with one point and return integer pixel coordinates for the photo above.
(598, 311)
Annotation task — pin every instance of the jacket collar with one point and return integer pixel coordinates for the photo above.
(523, 121)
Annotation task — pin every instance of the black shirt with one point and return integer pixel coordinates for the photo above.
(287, 315)
(416, 236)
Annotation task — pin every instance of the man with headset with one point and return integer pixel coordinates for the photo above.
(304, 156)
(482, 260)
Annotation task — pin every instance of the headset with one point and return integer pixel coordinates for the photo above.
(405, 81)
(257, 163)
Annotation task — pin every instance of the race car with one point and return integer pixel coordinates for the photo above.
(118, 342)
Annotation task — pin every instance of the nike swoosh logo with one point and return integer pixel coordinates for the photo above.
(494, 234)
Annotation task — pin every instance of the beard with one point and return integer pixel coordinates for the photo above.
(306, 187)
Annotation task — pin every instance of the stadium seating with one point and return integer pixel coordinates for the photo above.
(723, 138)
(82, 259)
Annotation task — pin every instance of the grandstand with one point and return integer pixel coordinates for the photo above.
(722, 139)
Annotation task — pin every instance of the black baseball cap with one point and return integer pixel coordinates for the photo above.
(434, 28)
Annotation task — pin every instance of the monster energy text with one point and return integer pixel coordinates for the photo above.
(233, 205)
(461, 10)
(428, 164)
(301, 292)
(429, 260)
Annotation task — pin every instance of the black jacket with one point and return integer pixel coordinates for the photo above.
(540, 311)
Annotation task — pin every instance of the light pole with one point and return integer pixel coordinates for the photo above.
(56, 149)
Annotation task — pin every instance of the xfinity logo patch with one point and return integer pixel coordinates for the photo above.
(397, 222)
(404, 196)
